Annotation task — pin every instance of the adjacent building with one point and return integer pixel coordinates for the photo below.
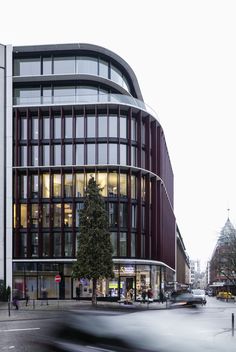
(68, 112)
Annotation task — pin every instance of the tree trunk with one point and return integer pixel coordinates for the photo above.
(94, 294)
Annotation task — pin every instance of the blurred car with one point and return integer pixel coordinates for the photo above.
(185, 299)
(225, 295)
(198, 293)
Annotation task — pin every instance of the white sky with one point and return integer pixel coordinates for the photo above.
(184, 56)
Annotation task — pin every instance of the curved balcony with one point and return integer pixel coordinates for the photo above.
(84, 99)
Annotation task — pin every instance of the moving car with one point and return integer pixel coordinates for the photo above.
(199, 294)
(184, 299)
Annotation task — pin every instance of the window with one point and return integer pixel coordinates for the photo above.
(46, 128)
(68, 244)
(35, 157)
(23, 215)
(123, 127)
(103, 68)
(23, 156)
(68, 215)
(79, 154)
(56, 185)
(102, 153)
(46, 155)
(68, 186)
(133, 156)
(47, 66)
(116, 75)
(123, 214)
(68, 154)
(86, 94)
(143, 188)
(57, 127)
(112, 184)
(123, 244)
(133, 245)
(64, 94)
(34, 244)
(23, 186)
(35, 128)
(47, 95)
(23, 129)
(112, 212)
(27, 96)
(46, 215)
(123, 154)
(133, 129)
(133, 187)
(87, 65)
(63, 65)
(134, 216)
(112, 153)
(78, 208)
(27, 67)
(34, 186)
(79, 127)
(79, 185)
(112, 126)
(23, 245)
(57, 154)
(57, 215)
(114, 243)
(102, 126)
(57, 244)
(68, 127)
(46, 244)
(91, 154)
(123, 185)
(34, 215)
(46, 186)
(102, 182)
(91, 126)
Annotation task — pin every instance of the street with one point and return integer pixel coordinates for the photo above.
(202, 328)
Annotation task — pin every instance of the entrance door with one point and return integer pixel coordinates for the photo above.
(126, 283)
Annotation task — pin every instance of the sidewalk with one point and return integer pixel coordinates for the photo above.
(40, 309)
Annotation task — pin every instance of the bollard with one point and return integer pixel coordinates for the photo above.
(232, 324)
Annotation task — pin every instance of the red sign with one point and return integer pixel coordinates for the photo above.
(57, 278)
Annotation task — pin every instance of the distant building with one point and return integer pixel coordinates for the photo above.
(182, 263)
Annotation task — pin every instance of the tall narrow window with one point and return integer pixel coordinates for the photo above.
(123, 244)
(78, 207)
(79, 185)
(123, 127)
(46, 215)
(114, 243)
(46, 128)
(112, 153)
(23, 156)
(57, 245)
(57, 127)
(112, 184)
(133, 156)
(34, 215)
(34, 186)
(123, 185)
(102, 126)
(133, 187)
(23, 215)
(102, 153)
(46, 155)
(112, 126)
(133, 245)
(35, 128)
(123, 214)
(91, 126)
(68, 127)
(35, 155)
(134, 216)
(23, 186)
(79, 154)
(68, 215)
(56, 185)
(34, 244)
(68, 244)
(68, 154)
(57, 215)
(112, 212)
(23, 245)
(46, 244)
(102, 182)
(91, 154)
(123, 154)
(68, 186)
(133, 129)
(79, 127)
(23, 129)
(46, 186)
(47, 66)
(57, 154)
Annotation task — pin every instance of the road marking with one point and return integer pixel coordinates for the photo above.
(14, 330)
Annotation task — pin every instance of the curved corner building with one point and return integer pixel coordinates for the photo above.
(78, 111)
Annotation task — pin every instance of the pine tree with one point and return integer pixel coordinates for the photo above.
(94, 257)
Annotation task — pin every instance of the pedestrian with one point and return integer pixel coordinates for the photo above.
(44, 296)
(150, 295)
(161, 297)
(26, 297)
(144, 294)
(15, 301)
(77, 293)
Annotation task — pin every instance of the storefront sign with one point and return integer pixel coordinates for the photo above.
(127, 269)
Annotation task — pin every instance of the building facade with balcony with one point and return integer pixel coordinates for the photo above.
(71, 111)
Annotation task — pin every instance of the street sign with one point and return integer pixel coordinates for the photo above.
(57, 278)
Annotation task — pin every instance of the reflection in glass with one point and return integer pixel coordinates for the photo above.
(123, 244)
(68, 127)
(123, 214)
(134, 216)
(79, 185)
(23, 186)
(57, 215)
(23, 245)
(34, 186)
(46, 215)
(46, 244)
(123, 185)
(68, 154)
(63, 94)
(78, 207)
(57, 154)
(102, 182)
(112, 153)
(27, 67)
(114, 243)
(23, 215)
(112, 126)
(35, 128)
(102, 153)
(34, 244)
(57, 244)
(47, 66)
(103, 68)
(102, 126)
(46, 128)
(57, 127)
(133, 187)
(64, 65)
(116, 75)
(79, 154)
(47, 95)
(112, 184)
(85, 64)
(123, 154)
(23, 156)
(68, 244)
(34, 215)
(68, 215)
(56, 185)
(123, 127)
(90, 126)
(46, 186)
(91, 154)
(46, 155)
(133, 245)
(79, 127)
(23, 129)
(35, 158)
(68, 185)
(112, 212)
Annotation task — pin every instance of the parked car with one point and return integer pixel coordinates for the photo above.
(225, 295)
(199, 294)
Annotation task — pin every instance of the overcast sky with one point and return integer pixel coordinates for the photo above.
(184, 56)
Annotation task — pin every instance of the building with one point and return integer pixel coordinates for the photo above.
(182, 265)
(70, 111)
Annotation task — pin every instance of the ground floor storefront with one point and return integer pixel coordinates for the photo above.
(37, 280)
